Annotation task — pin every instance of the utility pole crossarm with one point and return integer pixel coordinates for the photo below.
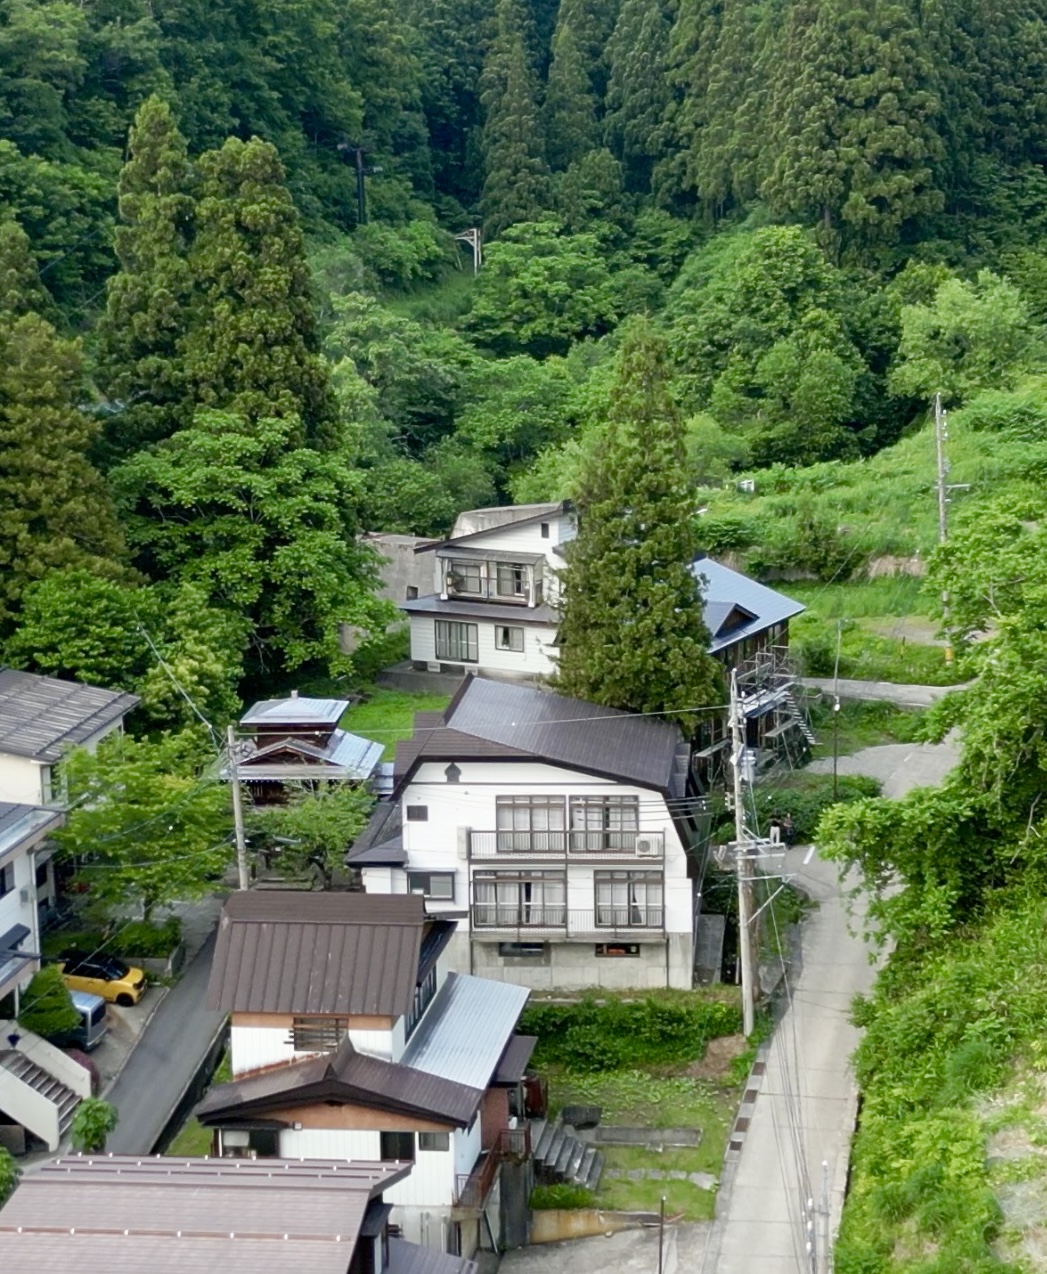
(941, 436)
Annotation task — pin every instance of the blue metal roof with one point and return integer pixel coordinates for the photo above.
(736, 606)
(466, 1030)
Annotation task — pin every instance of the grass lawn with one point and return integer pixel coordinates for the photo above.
(388, 715)
(193, 1138)
(861, 725)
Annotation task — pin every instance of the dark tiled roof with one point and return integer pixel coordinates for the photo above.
(40, 717)
(409, 1258)
(121, 1215)
(286, 952)
(380, 844)
(515, 1059)
(497, 719)
(343, 1077)
(496, 612)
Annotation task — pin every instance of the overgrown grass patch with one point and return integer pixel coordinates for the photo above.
(387, 716)
(861, 724)
(682, 1198)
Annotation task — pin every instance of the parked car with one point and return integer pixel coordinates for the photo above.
(93, 1024)
(102, 975)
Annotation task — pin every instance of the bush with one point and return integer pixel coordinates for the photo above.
(544, 1198)
(605, 1035)
(47, 1009)
(93, 1122)
(144, 940)
(9, 1175)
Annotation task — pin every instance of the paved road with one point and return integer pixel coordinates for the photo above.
(899, 766)
(885, 691)
(165, 1059)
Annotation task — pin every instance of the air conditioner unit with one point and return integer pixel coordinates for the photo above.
(23, 895)
(647, 847)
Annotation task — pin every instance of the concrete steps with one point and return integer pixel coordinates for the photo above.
(562, 1158)
(19, 1066)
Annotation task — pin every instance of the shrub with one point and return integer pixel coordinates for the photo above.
(9, 1175)
(93, 1122)
(606, 1035)
(142, 939)
(544, 1198)
(47, 1009)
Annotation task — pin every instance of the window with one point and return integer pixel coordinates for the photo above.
(418, 813)
(538, 899)
(318, 1034)
(457, 643)
(523, 950)
(434, 1141)
(508, 638)
(511, 579)
(397, 1145)
(617, 949)
(545, 530)
(628, 898)
(7, 879)
(423, 997)
(530, 824)
(412, 592)
(604, 822)
(466, 577)
(434, 884)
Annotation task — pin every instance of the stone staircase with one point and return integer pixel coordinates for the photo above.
(19, 1067)
(561, 1157)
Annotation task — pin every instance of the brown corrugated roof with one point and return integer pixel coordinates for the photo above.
(500, 720)
(119, 1213)
(409, 1258)
(288, 952)
(345, 1076)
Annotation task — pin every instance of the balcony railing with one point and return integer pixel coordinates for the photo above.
(486, 590)
(525, 923)
(564, 844)
(472, 1189)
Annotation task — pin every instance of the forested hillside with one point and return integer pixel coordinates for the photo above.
(236, 328)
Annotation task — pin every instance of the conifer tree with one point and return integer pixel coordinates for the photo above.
(516, 185)
(21, 291)
(591, 23)
(568, 114)
(638, 92)
(632, 633)
(148, 312)
(54, 509)
(254, 346)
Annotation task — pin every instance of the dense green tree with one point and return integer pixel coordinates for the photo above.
(568, 113)
(313, 831)
(264, 526)
(254, 347)
(516, 182)
(21, 291)
(41, 66)
(146, 827)
(9, 1174)
(149, 303)
(591, 23)
(974, 336)
(515, 406)
(54, 509)
(632, 633)
(638, 90)
(94, 1120)
(541, 289)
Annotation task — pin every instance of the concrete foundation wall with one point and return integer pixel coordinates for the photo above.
(575, 966)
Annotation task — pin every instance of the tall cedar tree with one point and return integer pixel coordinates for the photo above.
(516, 186)
(569, 113)
(254, 347)
(147, 311)
(632, 633)
(54, 509)
(591, 23)
(21, 291)
(638, 89)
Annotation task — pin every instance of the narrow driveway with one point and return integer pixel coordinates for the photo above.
(165, 1059)
(884, 691)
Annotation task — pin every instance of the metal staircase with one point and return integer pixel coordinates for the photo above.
(561, 1157)
(800, 715)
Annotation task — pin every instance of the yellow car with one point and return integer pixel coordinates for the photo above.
(102, 975)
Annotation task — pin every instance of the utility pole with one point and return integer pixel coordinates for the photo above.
(836, 713)
(474, 238)
(941, 435)
(743, 850)
(238, 810)
(362, 171)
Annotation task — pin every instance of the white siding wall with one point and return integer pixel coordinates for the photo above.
(537, 659)
(466, 1145)
(385, 1044)
(251, 1047)
(16, 910)
(24, 782)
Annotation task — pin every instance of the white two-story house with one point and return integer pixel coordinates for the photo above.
(351, 1038)
(556, 831)
(493, 605)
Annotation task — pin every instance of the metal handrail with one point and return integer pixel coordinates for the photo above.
(526, 923)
